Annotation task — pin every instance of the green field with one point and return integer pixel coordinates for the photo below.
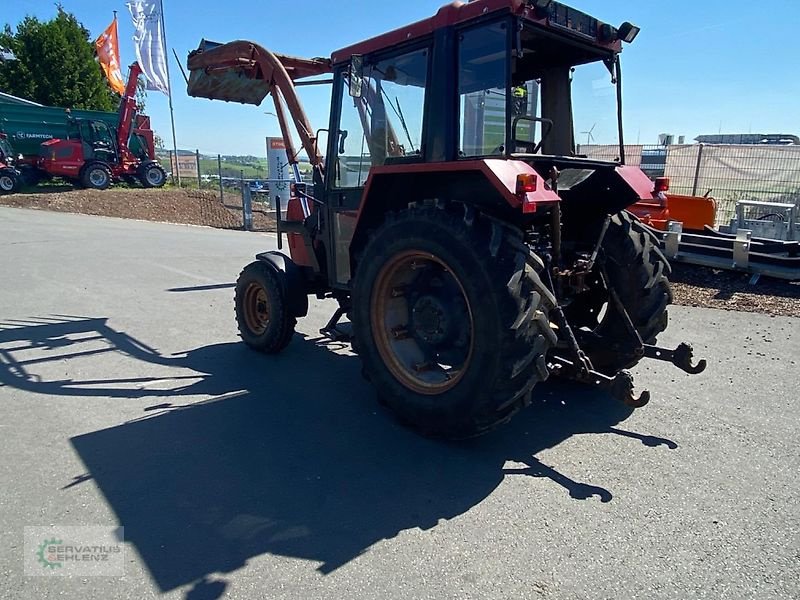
(250, 167)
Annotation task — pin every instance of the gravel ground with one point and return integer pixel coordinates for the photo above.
(693, 286)
(728, 290)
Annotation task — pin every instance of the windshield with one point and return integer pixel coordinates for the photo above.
(594, 112)
(5, 149)
(594, 107)
(384, 125)
(560, 95)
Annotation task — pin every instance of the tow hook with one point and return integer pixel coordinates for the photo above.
(619, 386)
(681, 357)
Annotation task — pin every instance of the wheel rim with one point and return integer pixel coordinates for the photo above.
(422, 322)
(256, 308)
(98, 177)
(6, 183)
(153, 176)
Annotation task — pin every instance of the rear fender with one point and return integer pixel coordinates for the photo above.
(487, 183)
(292, 278)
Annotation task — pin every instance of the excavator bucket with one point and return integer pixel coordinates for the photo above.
(244, 72)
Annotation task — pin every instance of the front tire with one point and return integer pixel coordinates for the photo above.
(9, 182)
(262, 313)
(96, 176)
(451, 320)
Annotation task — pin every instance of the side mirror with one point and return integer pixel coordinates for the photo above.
(356, 75)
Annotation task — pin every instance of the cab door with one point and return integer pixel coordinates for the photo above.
(382, 126)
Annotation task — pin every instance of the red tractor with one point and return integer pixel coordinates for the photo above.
(95, 155)
(473, 252)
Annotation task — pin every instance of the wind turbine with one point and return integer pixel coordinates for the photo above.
(589, 135)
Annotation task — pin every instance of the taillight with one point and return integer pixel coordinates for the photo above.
(526, 183)
(662, 184)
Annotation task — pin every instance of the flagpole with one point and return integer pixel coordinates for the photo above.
(169, 94)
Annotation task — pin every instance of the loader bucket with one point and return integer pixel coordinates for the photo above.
(217, 74)
(244, 72)
(227, 85)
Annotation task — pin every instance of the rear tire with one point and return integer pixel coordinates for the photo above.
(638, 271)
(261, 309)
(9, 182)
(476, 320)
(96, 176)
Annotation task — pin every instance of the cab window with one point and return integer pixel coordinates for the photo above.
(384, 125)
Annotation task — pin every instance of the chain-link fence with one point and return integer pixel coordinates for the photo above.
(219, 172)
(730, 173)
(240, 182)
(727, 172)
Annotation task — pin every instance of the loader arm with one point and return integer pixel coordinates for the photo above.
(246, 72)
(127, 115)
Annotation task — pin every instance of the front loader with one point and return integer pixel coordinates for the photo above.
(474, 254)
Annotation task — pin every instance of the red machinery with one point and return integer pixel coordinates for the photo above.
(697, 213)
(472, 259)
(94, 155)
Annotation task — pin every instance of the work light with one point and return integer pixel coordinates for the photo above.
(628, 32)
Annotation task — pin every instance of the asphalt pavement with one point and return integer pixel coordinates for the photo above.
(126, 400)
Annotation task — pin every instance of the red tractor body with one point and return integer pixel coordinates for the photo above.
(473, 251)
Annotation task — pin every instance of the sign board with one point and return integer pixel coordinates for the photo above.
(186, 165)
(279, 178)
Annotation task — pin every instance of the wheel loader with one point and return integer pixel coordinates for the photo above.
(474, 254)
(95, 155)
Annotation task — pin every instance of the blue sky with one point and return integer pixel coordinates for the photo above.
(697, 67)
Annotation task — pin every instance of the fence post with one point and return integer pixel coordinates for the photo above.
(219, 174)
(172, 167)
(247, 205)
(197, 158)
(697, 170)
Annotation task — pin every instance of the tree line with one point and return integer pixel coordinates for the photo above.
(55, 64)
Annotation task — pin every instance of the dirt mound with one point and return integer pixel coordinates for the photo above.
(191, 207)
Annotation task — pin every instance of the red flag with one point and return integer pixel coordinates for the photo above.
(107, 47)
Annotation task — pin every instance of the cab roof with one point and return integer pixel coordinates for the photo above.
(556, 17)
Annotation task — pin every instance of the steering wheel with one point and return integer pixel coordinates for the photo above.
(530, 147)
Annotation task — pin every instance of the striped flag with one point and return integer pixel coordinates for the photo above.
(149, 40)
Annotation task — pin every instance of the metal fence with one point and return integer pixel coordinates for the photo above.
(240, 183)
(727, 172)
(228, 176)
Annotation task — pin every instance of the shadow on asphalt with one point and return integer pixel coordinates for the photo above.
(290, 457)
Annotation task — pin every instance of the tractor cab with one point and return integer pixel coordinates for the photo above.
(510, 94)
(6, 152)
(86, 140)
(97, 139)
